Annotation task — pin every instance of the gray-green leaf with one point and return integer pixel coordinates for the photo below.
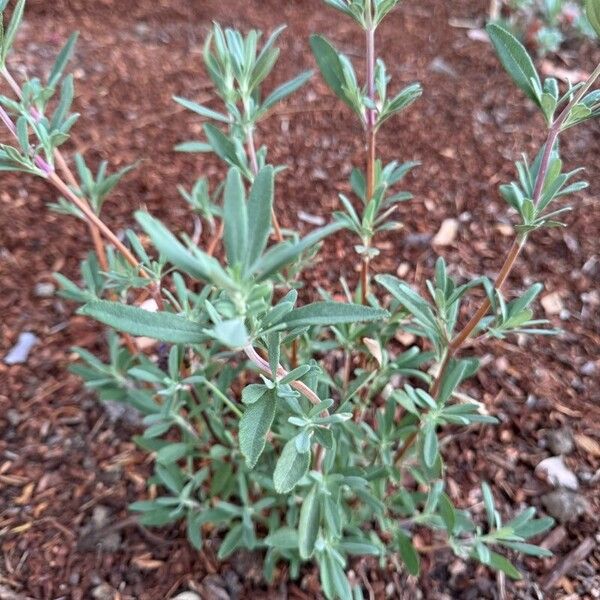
(254, 426)
(516, 61)
(308, 526)
(162, 326)
(291, 467)
(331, 313)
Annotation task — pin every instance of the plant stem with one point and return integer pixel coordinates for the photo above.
(512, 256)
(223, 397)
(264, 366)
(371, 120)
(68, 174)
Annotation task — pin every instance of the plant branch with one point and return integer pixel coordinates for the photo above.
(371, 134)
(512, 256)
(299, 386)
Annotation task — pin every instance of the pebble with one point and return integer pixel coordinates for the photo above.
(554, 470)
(439, 65)
(44, 290)
(103, 592)
(187, 596)
(19, 353)
(564, 505)
(552, 304)
(589, 368)
(560, 441)
(447, 233)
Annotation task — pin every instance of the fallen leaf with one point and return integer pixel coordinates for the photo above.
(146, 562)
(587, 444)
(375, 349)
(549, 69)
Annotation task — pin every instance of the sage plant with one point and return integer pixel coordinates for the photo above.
(254, 436)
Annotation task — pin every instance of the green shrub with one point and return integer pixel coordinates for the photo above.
(252, 428)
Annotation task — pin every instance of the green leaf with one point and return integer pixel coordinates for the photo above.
(231, 333)
(253, 392)
(11, 30)
(333, 579)
(430, 444)
(418, 307)
(447, 512)
(408, 553)
(61, 60)
(497, 561)
(231, 541)
(516, 61)
(528, 549)
(254, 426)
(331, 313)
(282, 254)
(172, 453)
(203, 111)
(488, 503)
(284, 538)
(162, 326)
(454, 375)
(291, 467)
(330, 65)
(310, 520)
(592, 11)
(199, 265)
(236, 219)
(283, 91)
(260, 205)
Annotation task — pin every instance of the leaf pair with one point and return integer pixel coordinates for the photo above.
(247, 225)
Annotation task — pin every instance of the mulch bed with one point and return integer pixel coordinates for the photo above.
(68, 469)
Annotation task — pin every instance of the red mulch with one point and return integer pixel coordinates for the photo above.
(62, 460)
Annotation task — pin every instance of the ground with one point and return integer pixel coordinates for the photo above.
(66, 467)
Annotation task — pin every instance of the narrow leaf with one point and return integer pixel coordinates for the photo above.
(516, 61)
(308, 526)
(291, 467)
(254, 426)
(137, 321)
(331, 313)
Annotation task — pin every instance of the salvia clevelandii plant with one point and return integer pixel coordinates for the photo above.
(251, 431)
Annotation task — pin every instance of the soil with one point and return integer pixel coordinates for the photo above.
(66, 467)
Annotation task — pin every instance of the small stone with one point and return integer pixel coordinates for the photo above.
(552, 303)
(187, 596)
(14, 417)
(564, 505)
(214, 588)
(103, 592)
(44, 290)
(589, 368)
(560, 441)
(20, 351)
(100, 516)
(555, 471)
(110, 543)
(505, 229)
(447, 233)
(439, 65)
(402, 270)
